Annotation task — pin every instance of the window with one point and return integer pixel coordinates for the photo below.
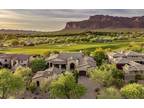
(24, 65)
(37, 83)
(21, 61)
(138, 77)
(72, 66)
(14, 63)
(63, 66)
(6, 66)
(0, 64)
(50, 64)
(56, 65)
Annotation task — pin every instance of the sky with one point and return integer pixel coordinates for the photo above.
(54, 20)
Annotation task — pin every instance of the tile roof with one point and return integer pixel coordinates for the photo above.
(132, 53)
(58, 61)
(121, 60)
(63, 57)
(133, 66)
(75, 55)
(15, 56)
(47, 72)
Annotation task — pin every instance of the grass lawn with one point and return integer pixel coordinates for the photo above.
(41, 49)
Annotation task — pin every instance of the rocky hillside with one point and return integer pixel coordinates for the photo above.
(102, 21)
(11, 31)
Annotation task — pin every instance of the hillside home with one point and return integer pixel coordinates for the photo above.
(133, 72)
(71, 61)
(122, 58)
(12, 61)
(58, 63)
(46, 75)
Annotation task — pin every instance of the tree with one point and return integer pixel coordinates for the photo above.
(86, 52)
(10, 84)
(32, 87)
(99, 55)
(47, 54)
(55, 52)
(107, 74)
(66, 87)
(76, 75)
(109, 93)
(38, 65)
(44, 86)
(101, 76)
(14, 42)
(133, 91)
(118, 77)
(25, 73)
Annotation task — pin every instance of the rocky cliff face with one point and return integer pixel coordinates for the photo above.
(101, 21)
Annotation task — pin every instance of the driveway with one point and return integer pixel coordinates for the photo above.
(36, 95)
(87, 82)
(90, 85)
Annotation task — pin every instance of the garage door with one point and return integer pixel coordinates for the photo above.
(82, 73)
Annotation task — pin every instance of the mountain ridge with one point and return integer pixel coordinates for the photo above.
(106, 21)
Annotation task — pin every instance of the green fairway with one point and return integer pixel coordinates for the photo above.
(41, 49)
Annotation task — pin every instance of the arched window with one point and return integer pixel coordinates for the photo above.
(6, 66)
(38, 83)
(72, 66)
(0, 64)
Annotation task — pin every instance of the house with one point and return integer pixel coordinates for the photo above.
(133, 72)
(71, 61)
(5, 60)
(58, 63)
(12, 61)
(132, 64)
(20, 60)
(123, 57)
(46, 75)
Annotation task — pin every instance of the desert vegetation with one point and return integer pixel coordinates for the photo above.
(42, 43)
(92, 43)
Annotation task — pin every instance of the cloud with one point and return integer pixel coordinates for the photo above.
(55, 19)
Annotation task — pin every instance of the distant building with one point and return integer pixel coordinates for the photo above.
(29, 43)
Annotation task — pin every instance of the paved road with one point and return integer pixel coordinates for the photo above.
(90, 85)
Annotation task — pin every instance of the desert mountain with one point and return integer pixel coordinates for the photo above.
(105, 21)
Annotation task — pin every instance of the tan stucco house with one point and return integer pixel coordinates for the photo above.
(133, 72)
(132, 64)
(58, 63)
(71, 61)
(124, 57)
(12, 61)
